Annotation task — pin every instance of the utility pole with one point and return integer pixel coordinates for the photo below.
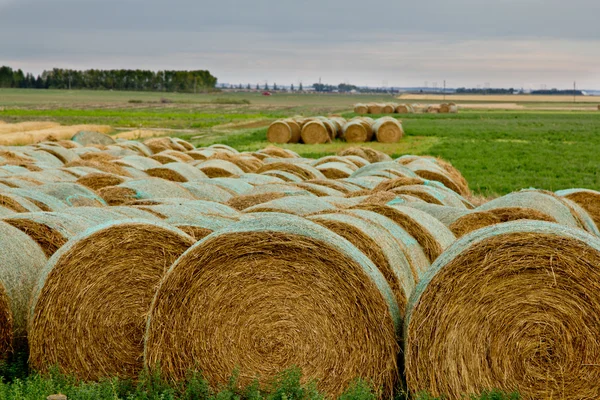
(574, 91)
(444, 90)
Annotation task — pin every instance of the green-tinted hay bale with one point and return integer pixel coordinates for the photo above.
(64, 155)
(433, 236)
(22, 262)
(237, 186)
(390, 170)
(135, 173)
(17, 203)
(88, 138)
(259, 179)
(284, 176)
(410, 246)
(515, 307)
(319, 190)
(544, 202)
(431, 171)
(138, 162)
(204, 190)
(139, 189)
(42, 157)
(219, 168)
(43, 201)
(297, 205)
(343, 202)
(377, 244)
(444, 214)
(324, 329)
(588, 199)
(434, 195)
(277, 188)
(177, 172)
(95, 303)
(363, 182)
(72, 194)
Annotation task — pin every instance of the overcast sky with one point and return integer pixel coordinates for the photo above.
(503, 43)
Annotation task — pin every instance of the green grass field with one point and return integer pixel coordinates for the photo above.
(498, 151)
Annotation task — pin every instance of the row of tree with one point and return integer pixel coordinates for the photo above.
(485, 91)
(117, 79)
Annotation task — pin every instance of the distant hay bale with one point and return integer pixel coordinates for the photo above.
(138, 189)
(48, 134)
(281, 132)
(246, 163)
(296, 205)
(350, 315)
(72, 194)
(398, 182)
(104, 333)
(87, 138)
(388, 130)
(358, 131)
(540, 282)
(164, 158)
(375, 108)
(22, 262)
(138, 162)
(377, 244)
(207, 190)
(433, 109)
(273, 151)
(233, 185)
(361, 108)
(187, 146)
(303, 171)
(327, 159)
(100, 180)
(388, 108)
(335, 170)
(160, 144)
(444, 108)
(433, 236)
(481, 219)
(404, 109)
(219, 168)
(141, 148)
(366, 153)
(315, 132)
(223, 147)
(177, 172)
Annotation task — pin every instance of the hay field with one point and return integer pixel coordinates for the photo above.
(515, 98)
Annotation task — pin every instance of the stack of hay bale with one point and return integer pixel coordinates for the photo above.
(320, 130)
(133, 255)
(393, 108)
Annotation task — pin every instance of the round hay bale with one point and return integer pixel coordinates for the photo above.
(177, 172)
(279, 132)
(87, 138)
(160, 144)
(104, 333)
(358, 131)
(50, 230)
(361, 108)
(223, 147)
(234, 185)
(444, 108)
(389, 169)
(178, 155)
(364, 182)
(430, 170)
(72, 194)
(445, 214)
(245, 201)
(434, 195)
(219, 168)
(433, 236)
(296, 205)
(377, 244)
(481, 219)
(351, 314)
(136, 189)
(365, 153)
(207, 190)
(258, 179)
(64, 155)
(343, 202)
(388, 108)
(315, 132)
(22, 262)
(138, 162)
(335, 170)
(100, 180)
(43, 201)
(388, 130)
(141, 148)
(375, 108)
(277, 188)
(540, 282)
(588, 199)
(404, 109)
(336, 159)
(284, 176)
(545, 202)
(303, 171)
(105, 166)
(164, 158)
(187, 146)
(397, 182)
(278, 152)
(319, 190)
(247, 163)
(341, 186)
(199, 226)
(17, 203)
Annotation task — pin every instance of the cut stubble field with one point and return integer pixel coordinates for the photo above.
(498, 151)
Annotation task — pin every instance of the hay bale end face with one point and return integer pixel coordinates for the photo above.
(94, 303)
(523, 299)
(388, 130)
(334, 331)
(279, 132)
(315, 132)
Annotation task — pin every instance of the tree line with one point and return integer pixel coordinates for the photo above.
(114, 79)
